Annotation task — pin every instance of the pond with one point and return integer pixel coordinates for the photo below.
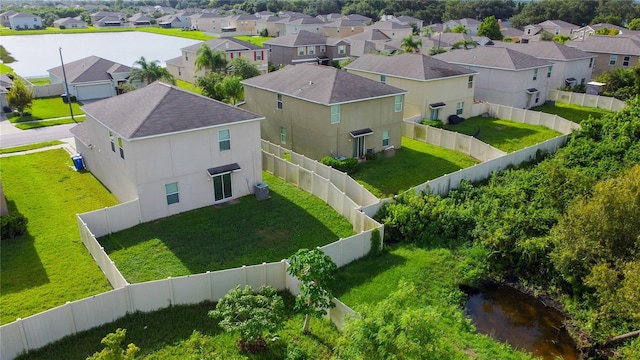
(522, 321)
(35, 54)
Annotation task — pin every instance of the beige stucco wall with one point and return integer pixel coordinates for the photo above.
(184, 158)
(188, 70)
(308, 125)
(508, 88)
(602, 63)
(340, 32)
(422, 93)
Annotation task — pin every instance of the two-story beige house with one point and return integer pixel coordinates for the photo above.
(319, 111)
(305, 46)
(435, 88)
(611, 52)
(391, 29)
(184, 67)
(342, 28)
(171, 149)
(553, 27)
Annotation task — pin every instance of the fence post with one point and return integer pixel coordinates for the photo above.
(127, 298)
(244, 273)
(173, 302)
(72, 319)
(264, 273)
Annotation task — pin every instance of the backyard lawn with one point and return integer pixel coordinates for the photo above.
(246, 232)
(256, 40)
(188, 86)
(30, 146)
(506, 135)
(196, 35)
(575, 113)
(413, 164)
(48, 265)
(48, 108)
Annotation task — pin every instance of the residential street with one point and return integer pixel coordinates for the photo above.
(10, 136)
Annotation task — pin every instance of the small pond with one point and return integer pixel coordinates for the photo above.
(522, 321)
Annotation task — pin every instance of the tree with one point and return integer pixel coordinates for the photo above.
(607, 31)
(112, 348)
(561, 39)
(243, 68)
(206, 58)
(20, 96)
(410, 45)
(437, 50)
(207, 85)
(460, 29)
(621, 83)
(231, 89)
(466, 44)
(634, 24)
(150, 71)
(253, 315)
(314, 269)
(489, 27)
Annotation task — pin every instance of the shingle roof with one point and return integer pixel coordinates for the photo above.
(608, 45)
(321, 84)
(5, 81)
(224, 44)
(343, 23)
(159, 109)
(412, 66)
(549, 50)
(558, 23)
(361, 47)
(493, 57)
(301, 38)
(23, 15)
(68, 21)
(91, 68)
(301, 20)
(370, 35)
(388, 25)
(358, 17)
(407, 19)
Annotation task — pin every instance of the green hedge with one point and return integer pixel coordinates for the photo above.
(13, 225)
(349, 166)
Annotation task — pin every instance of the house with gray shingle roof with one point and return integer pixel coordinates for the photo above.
(553, 27)
(342, 28)
(23, 21)
(391, 29)
(611, 51)
(306, 46)
(470, 24)
(571, 66)
(294, 24)
(364, 19)
(4, 17)
(92, 77)
(140, 19)
(319, 111)
(435, 88)
(505, 76)
(70, 23)
(171, 149)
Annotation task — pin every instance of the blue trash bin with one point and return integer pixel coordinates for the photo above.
(78, 162)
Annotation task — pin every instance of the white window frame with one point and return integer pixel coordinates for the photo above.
(613, 59)
(323, 49)
(311, 50)
(549, 71)
(435, 114)
(335, 114)
(283, 135)
(121, 148)
(470, 82)
(590, 62)
(301, 50)
(459, 108)
(222, 178)
(342, 49)
(259, 55)
(279, 102)
(383, 79)
(169, 193)
(113, 144)
(397, 103)
(224, 139)
(385, 138)
(535, 74)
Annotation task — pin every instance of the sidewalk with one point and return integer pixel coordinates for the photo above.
(69, 146)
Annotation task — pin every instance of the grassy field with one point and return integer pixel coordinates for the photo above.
(40, 81)
(196, 35)
(188, 86)
(48, 265)
(45, 123)
(213, 238)
(5, 69)
(47, 108)
(165, 334)
(508, 136)
(575, 113)
(256, 40)
(413, 164)
(30, 147)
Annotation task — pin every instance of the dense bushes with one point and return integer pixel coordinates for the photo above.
(13, 225)
(349, 165)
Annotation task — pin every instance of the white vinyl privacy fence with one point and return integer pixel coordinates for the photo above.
(596, 101)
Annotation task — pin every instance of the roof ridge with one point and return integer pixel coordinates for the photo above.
(154, 108)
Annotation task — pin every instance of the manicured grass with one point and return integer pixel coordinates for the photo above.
(5, 56)
(44, 123)
(436, 273)
(413, 164)
(5, 69)
(30, 147)
(247, 232)
(256, 40)
(188, 86)
(196, 35)
(40, 81)
(48, 265)
(508, 136)
(48, 108)
(575, 113)
(165, 334)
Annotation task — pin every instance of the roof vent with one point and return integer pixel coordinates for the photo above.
(310, 82)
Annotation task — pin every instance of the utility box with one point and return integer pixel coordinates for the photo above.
(262, 191)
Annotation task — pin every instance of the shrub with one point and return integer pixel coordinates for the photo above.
(376, 243)
(349, 166)
(13, 225)
(434, 123)
(294, 352)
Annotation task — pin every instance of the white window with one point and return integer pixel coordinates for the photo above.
(311, 50)
(459, 107)
(224, 139)
(121, 149)
(537, 97)
(171, 190)
(301, 51)
(258, 55)
(625, 61)
(342, 49)
(549, 71)
(283, 135)
(398, 103)
(335, 114)
(470, 82)
(113, 144)
(383, 79)
(591, 63)
(613, 59)
(222, 186)
(535, 74)
(385, 138)
(435, 114)
(323, 49)
(279, 101)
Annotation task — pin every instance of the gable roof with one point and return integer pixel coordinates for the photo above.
(406, 19)
(5, 81)
(223, 44)
(68, 21)
(160, 109)
(493, 57)
(411, 66)
(92, 68)
(23, 15)
(344, 23)
(358, 17)
(370, 35)
(388, 25)
(301, 38)
(608, 45)
(549, 50)
(321, 84)
(557, 23)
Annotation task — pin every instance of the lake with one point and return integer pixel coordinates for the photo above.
(35, 54)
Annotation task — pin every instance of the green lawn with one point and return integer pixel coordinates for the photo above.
(196, 35)
(413, 164)
(30, 147)
(5, 69)
(48, 266)
(188, 86)
(213, 238)
(5, 56)
(256, 40)
(437, 274)
(575, 113)
(165, 334)
(40, 81)
(508, 136)
(48, 108)
(44, 123)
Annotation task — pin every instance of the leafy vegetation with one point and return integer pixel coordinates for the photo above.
(112, 348)
(621, 83)
(20, 97)
(150, 71)
(48, 108)
(12, 225)
(348, 165)
(490, 28)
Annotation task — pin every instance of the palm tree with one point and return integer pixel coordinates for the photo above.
(466, 43)
(150, 71)
(410, 45)
(232, 89)
(209, 59)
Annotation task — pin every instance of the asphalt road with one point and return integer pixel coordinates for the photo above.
(10, 138)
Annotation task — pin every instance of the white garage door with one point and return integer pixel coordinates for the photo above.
(98, 91)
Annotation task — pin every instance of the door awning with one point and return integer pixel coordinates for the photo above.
(571, 80)
(532, 91)
(223, 169)
(437, 105)
(361, 132)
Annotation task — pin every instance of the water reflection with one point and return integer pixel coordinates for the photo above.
(522, 321)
